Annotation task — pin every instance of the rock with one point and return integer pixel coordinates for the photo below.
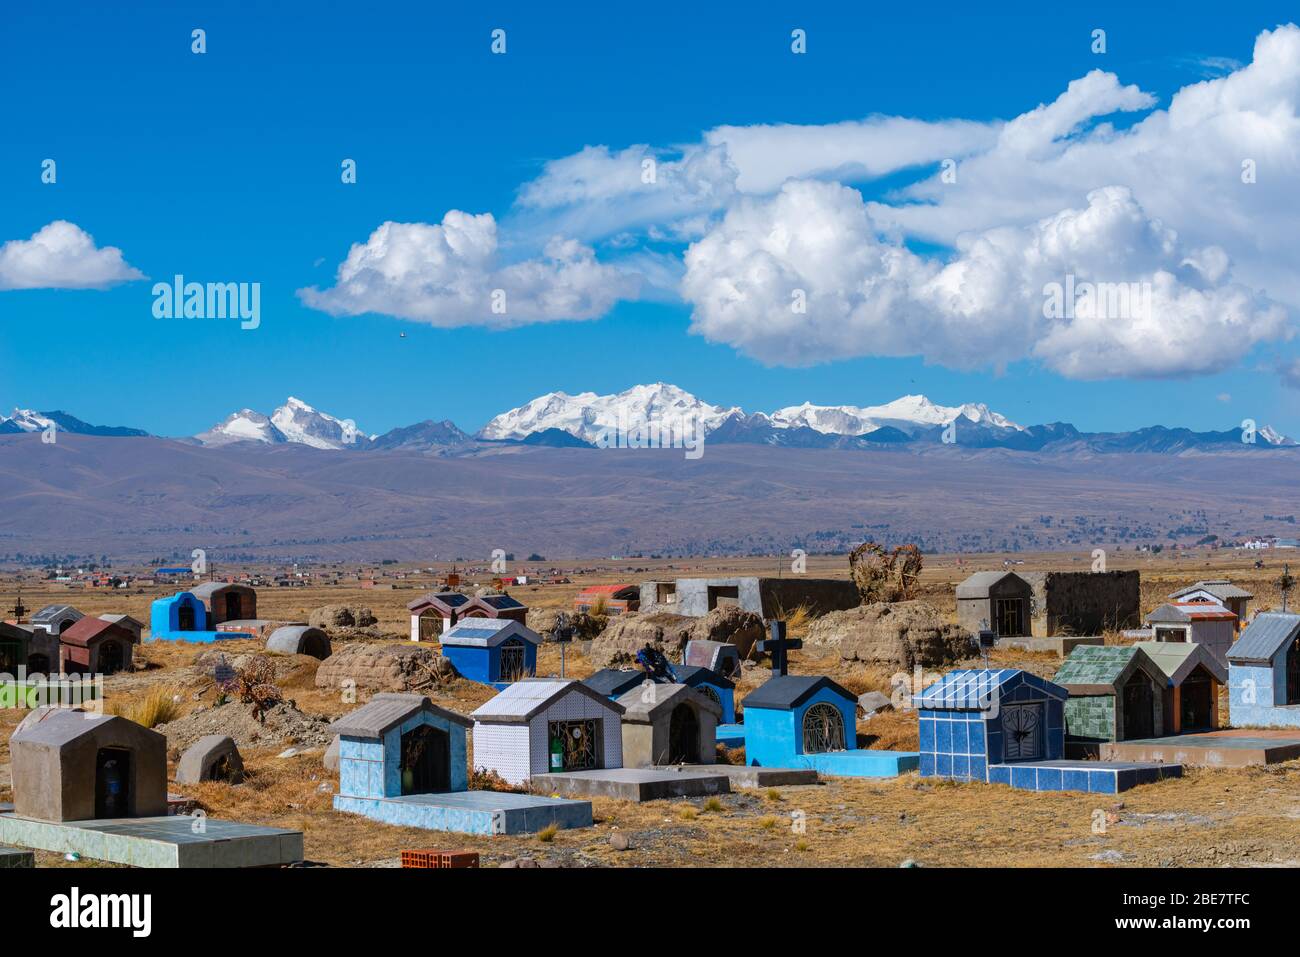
(628, 634)
(909, 863)
(585, 627)
(901, 635)
(619, 842)
(874, 702)
(396, 667)
(341, 616)
(1108, 857)
(214, 757)
(521, 862)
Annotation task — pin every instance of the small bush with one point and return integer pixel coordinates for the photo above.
(547, 834)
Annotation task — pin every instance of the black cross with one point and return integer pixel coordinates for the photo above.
(19, 609)
(779, 647)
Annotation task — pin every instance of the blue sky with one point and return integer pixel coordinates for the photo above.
(225, 167)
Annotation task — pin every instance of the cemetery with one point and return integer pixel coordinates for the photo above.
(471, 731)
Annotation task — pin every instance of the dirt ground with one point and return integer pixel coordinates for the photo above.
(1240, 817)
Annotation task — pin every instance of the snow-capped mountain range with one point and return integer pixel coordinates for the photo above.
(559, 419)
(295, 422)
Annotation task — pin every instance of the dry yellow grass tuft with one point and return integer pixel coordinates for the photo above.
(158, 705)
(547, 834)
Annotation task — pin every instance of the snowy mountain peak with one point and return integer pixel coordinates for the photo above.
(909, 413)
(305, 425)
(27, 420)
(1273, 437)
(246, 425)
(294, 422)
(587, 414)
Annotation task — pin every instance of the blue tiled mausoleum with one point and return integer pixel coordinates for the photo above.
(1007, 726)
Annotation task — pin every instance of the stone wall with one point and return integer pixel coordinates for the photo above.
(1085, 603)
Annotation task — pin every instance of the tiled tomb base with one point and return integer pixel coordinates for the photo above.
(158, 841)
(471, 812)
(1099, 777)
(1233, 748)
(857, 763)
(752, 776)
(634, 784)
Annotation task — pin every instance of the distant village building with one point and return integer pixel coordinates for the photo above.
(766, 597)
(996, 600)
(1204, 623)
(1220, 591)
(611, 599)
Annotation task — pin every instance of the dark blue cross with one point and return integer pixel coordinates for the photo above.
(779, 647)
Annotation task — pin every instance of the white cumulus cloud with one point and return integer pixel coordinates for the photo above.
(448, 274)
(1154, 311)
(62, 255)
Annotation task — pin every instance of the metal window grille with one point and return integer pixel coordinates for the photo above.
(578, 743)
(823, 729)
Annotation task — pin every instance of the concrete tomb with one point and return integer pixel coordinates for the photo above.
(795, 721)
(1007, 726)
(96, 785)
(1116, 693)
(765, 597)
(668, 724)
(78, 766)
(213, 757)
(635, 784)
(300, 640)
(1193, 677)
(403, 761)
(94, 646)
(1264, 673)
(1000, 601)
(227, 602)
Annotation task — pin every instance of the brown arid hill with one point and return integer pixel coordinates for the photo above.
(135, 498)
